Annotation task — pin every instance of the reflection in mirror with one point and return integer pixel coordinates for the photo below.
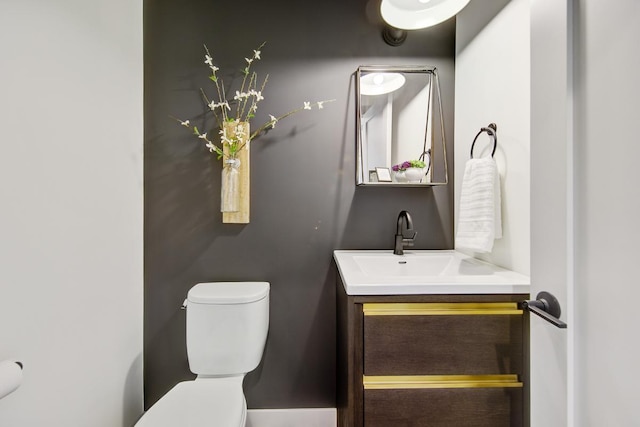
(400, 127)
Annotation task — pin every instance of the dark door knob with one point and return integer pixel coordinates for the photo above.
(546, 306)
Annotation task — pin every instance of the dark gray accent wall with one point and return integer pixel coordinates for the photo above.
(304, 203)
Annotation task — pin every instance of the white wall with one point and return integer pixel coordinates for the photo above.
(71, 220)
(607, 213)
(551, 358)
(492, 86)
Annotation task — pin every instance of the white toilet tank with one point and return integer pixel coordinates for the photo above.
(227, 325)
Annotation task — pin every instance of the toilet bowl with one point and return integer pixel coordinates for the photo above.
(199, 403)
(227, 324)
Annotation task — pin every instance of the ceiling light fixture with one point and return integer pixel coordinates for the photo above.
(381, 83)
(402, 15)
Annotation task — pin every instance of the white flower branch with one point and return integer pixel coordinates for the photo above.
(273, 120)
(246, 101)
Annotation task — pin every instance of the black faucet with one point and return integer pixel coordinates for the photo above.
(401, 239)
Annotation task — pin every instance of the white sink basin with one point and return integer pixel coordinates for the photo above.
(424, 272)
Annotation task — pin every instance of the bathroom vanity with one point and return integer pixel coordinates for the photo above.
(430, 338)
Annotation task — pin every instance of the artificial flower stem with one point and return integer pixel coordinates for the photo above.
(270, 122)
(221, 95)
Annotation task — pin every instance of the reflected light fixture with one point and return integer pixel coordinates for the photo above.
(381, 83)
(404, 15)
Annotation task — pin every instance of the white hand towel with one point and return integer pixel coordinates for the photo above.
(479, 221)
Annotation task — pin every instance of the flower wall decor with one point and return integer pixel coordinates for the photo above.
(233, 116)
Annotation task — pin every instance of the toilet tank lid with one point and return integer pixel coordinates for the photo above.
(228, 292)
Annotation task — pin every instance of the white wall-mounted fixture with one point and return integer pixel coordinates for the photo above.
(402, 15)
(10, 377)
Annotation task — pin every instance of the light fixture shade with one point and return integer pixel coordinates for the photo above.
(381, 83)
(415, 14)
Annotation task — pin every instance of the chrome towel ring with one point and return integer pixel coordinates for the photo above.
(492, 131)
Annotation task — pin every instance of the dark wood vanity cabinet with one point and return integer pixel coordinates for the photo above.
(432, 360)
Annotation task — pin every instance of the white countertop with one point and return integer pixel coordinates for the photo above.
(380, 272)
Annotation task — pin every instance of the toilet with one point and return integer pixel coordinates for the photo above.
(227, 324)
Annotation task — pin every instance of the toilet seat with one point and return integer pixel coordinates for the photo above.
(203, 402)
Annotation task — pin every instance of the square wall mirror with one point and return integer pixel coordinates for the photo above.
(400, 128)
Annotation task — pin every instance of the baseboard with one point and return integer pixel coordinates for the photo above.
(312, 417)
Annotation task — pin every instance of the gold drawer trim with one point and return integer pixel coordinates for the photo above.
(440, 381)
(441, 309)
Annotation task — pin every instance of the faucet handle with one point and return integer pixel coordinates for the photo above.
(412, 238)
(409, 241)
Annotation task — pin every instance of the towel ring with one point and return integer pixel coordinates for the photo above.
(491, 130)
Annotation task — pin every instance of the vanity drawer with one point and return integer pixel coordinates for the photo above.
(443, 339)
(464, 407)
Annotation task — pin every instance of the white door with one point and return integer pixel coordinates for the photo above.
(551, 209)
